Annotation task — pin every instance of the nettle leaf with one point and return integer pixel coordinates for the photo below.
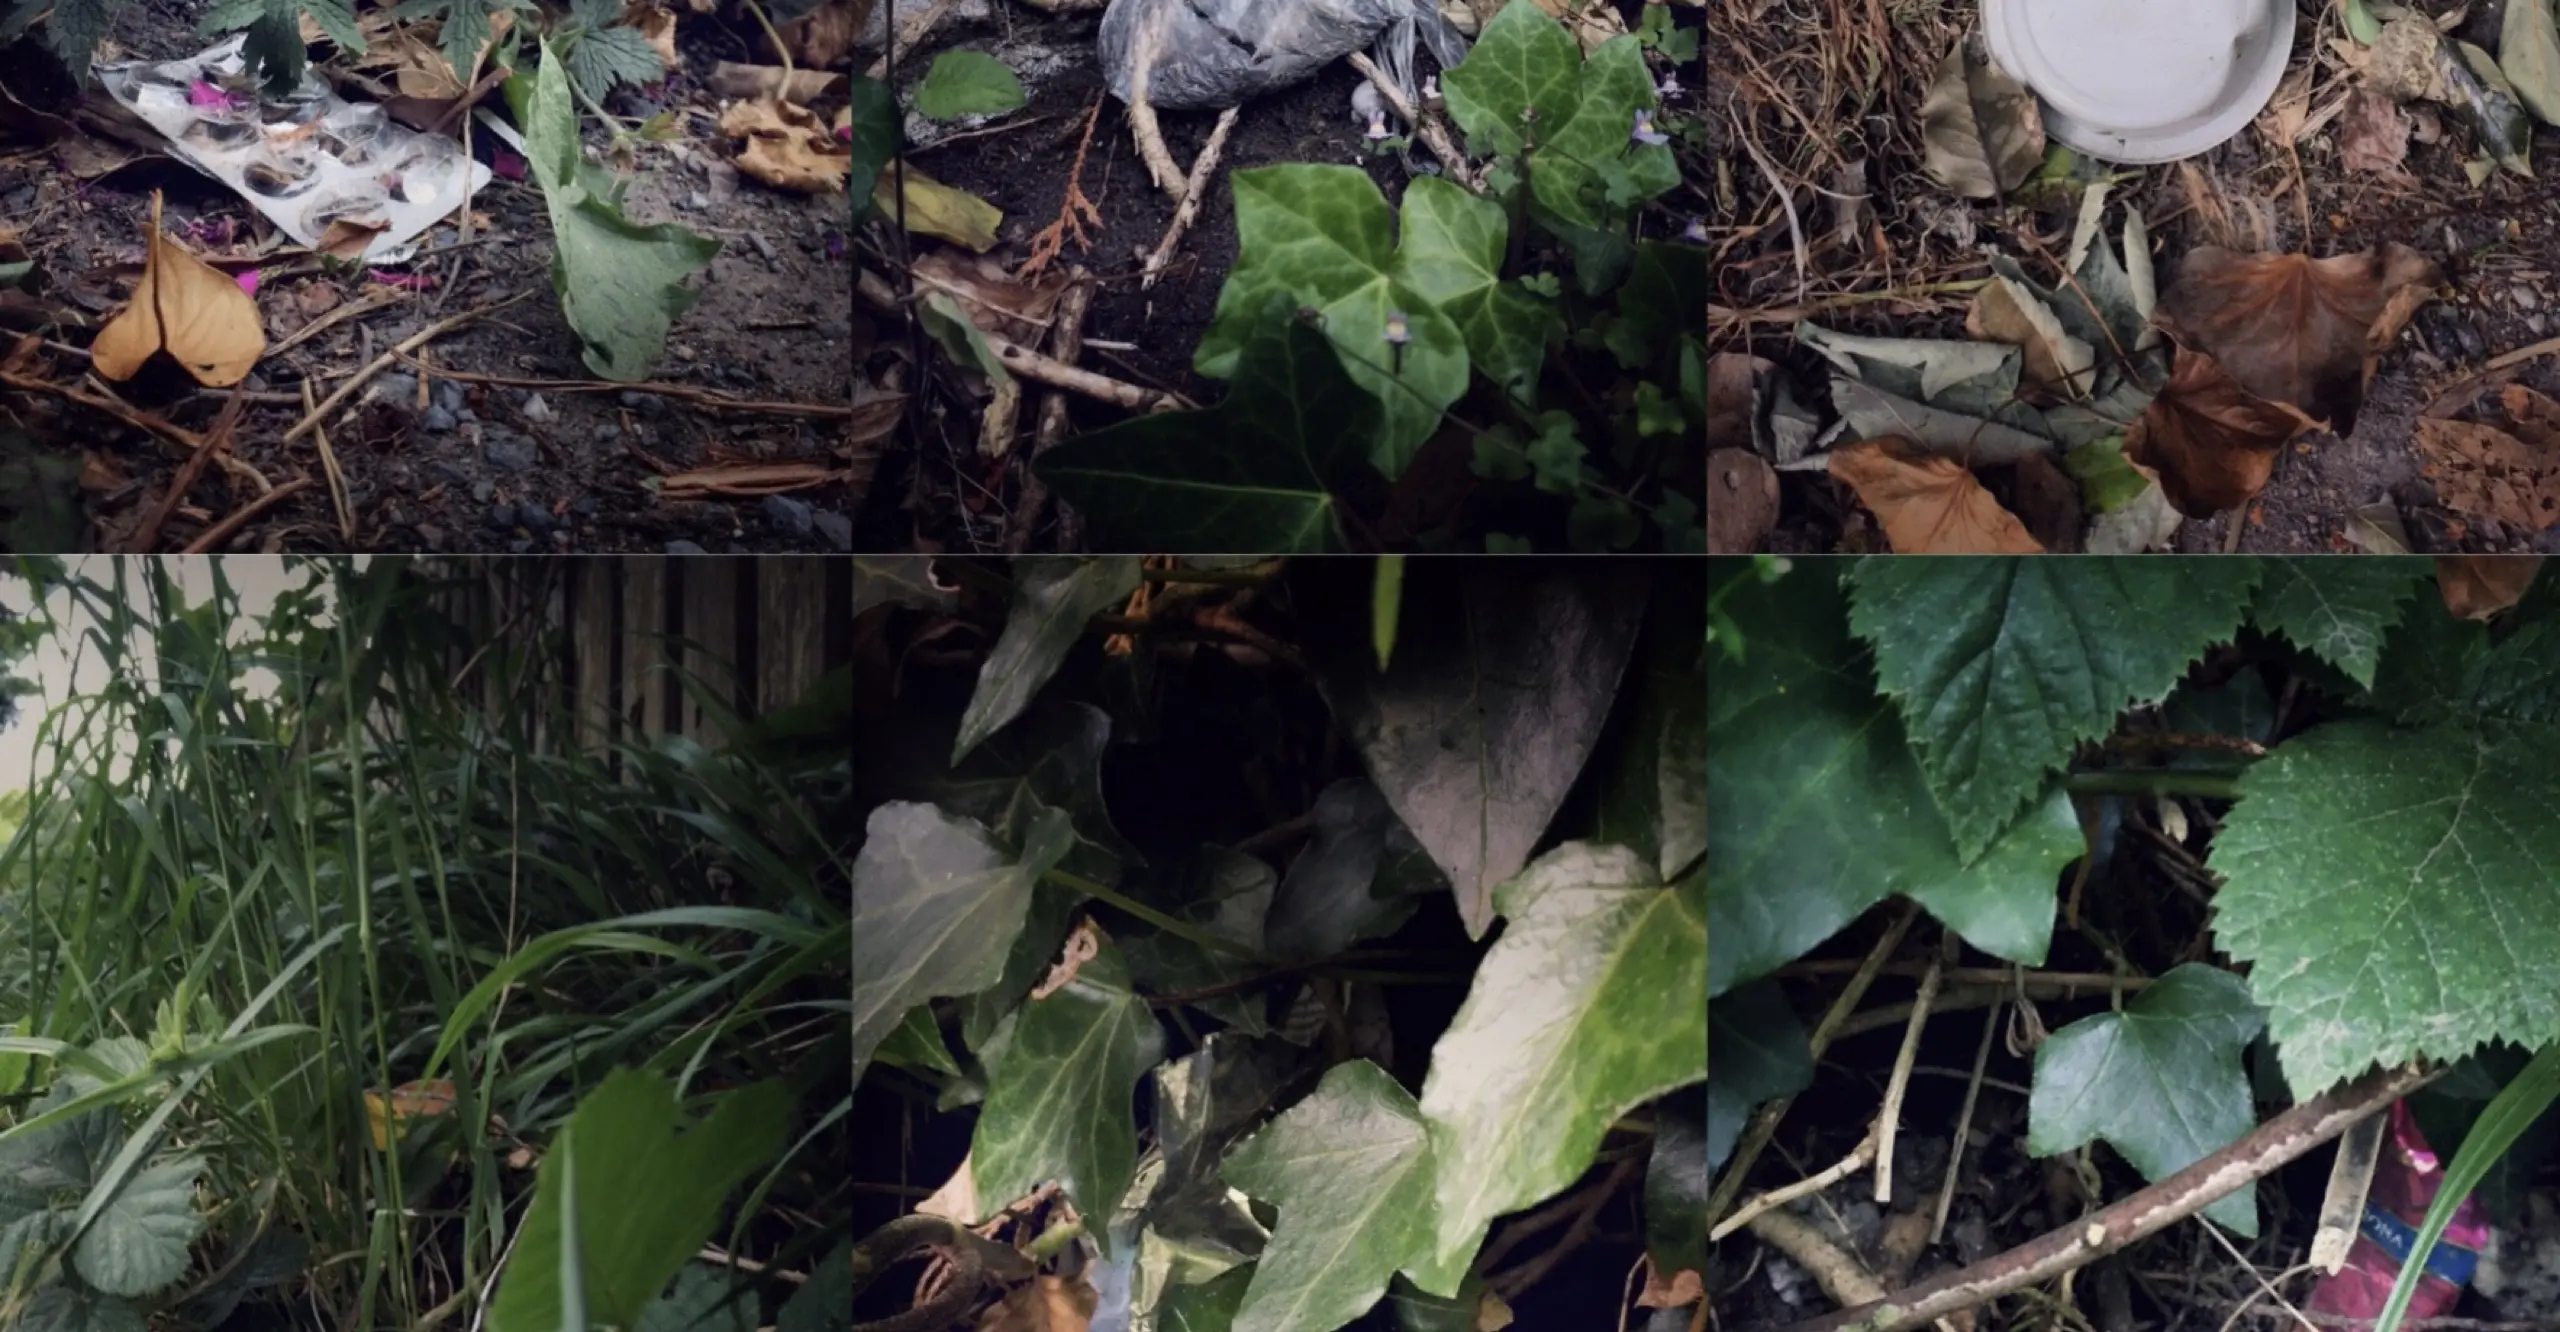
(72, 29)
(1052, 599)
(1350, 1170)
(66, 1306)
(1323, 237)
(70, 1154)
(274, 48)
(1760, 1053)
(1257, 472)
(620, 284)
(464, 25)
(1584, 164)
(1821, 810)
(603, 57)
(967, 83)
(936, 906)
(1589, 1004)
(2339, 614)
(2405, 910)
(1359, 877)
(1059, 1101)
(138, 1243)
(2002, 666)
(1497, 693)
(2161, 1081)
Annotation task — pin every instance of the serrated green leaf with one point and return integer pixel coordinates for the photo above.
(1052, 599)
(1760, 1053)
(138, 1243)
(464, 25)
(634, 1227)
(1357, 879)
(68, 1307)
(1349, 1169)
(2338, 610)
(2002, 666)
(1589, 1004)
(72, 29)
(1059, 1101)
(603, 57)
(1821, 810)
(2161, 1081)
(967, 83)
(1452, 254)
(2391, 888)
(936, 905)
(1256, 472)
(70, 1154)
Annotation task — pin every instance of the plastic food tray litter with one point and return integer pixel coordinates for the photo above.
(307, 160)
(2141, 81)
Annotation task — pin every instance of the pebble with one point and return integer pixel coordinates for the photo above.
(789, 515)
(608, 432)
(449, 396)
(446, 474)
(510, 453)
(484, 491)
(399, 389)
(438, 420)
(697, 201)
(536, 519)
(500, 517)
(535, 409)
(837, 527)
(647, 404)
(680, 546)
(762, 246)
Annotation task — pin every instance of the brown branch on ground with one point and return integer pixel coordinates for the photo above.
(1073, 213)
(1032, 365)
(1435, 136)
(1066, 343)
(1142, 113)
(221, 531)
(217, 438)
(1193, 191)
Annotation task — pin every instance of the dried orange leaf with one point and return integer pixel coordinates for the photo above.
(185, 306)
(2213, 442)
(2477, 587)
(2297, 330)
(1929, 505)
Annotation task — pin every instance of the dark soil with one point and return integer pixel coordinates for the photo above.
(772, 325)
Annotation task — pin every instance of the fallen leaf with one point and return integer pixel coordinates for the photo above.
(1049, 1304)
(2297, 330)
(736, 480)
(1733, 397)
(349, 237)
(1982, 131)
(187, 307)
(2529, 55)
(2511, 475)
(730, 79)
(2047, 501)
(994, 300)
(2477, 587)
(2057, 364)
(1929, 505)
(2484, 96)
(957, 1199)
(657, 26)
(2373, 135)
(825, 37)
(392, 1113)
(2213, 442)
(1492, 1314)
(1678, 1291)
(938, 210)
(1742, 501)
(2376, 529)
(787, 146)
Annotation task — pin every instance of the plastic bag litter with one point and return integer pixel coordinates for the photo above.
(1221, 53)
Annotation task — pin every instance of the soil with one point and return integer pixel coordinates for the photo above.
(2498, 244)
(576, 471)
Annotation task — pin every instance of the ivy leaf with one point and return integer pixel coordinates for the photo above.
(66, 1306)
(1821, 811)
(1589, 1004)
(603, 57)
(967, 83)
(2340, 615)
(1452, 255)
(1324, 238)
(1501, 681)
(1585, 112)
(2161, 1081)
(1760, 1053)
(2002, 666)
(1228, 894)
(936, 904)
(1256, 472)
(2405, 912)
(1059, 1102)
(1049, 758)
(1358, 878)
(1052, 599)
(1675, 1183)
(1350, 1170)
(138, 1243)
(916, 1042)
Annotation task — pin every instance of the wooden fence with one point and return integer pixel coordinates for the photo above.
(601, 631)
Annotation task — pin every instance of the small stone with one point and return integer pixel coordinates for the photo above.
(762, 246)
(837, 527)
(438, 420)
(697, 201)
(536, 519)
(465, 414)
(2527, 298)
(789, 516)
(484, 491)
(500, 517)
(680, 546)
(449, 396)
(647, 404)
(535, 409)
(510, 453)
(401, 390)
(608, 432)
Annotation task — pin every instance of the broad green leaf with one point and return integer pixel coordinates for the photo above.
(1208, 1307)
(1452, 254)
(2392, 890)
(1589, 1004)
(1675, 1184)
(1048, 758)
(2338, 610)
(1664, 303)
(825, 1302)
(1059, 1101)
(69, 1154)
(620, 284)
(1417, 1310)
(917, 1043)
(699, 1303)
(1053, 912)
(967, 83)
(1052, 599)
(1821, 811)
(2161, 1081)
(1358, 878)
(1502, 680)
(66, 1307)
(138, 1243)
(1761, 1054)
(1323, 238)
(1584, 165)
(651, 1193)
(1228, 894)
(936, 906)
(2002, 666)
(1256, 472)
(876, 138)
(1350, 1170)
(1524, 61)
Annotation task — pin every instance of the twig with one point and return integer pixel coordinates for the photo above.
(139, 420)
(706, 397)
(1859, 1158)
(1786, 200)
(221, 531)
(1032, 365)
(337, 479)
(217, 437)
(1066, 343)
(1964, 1125)
(1889, 1116)
(1435, 136)
(1142, 113)
(1511, 1283)
(311, 419)
(1072, 214)
(334, 317)
(1193, 191)
(2264, 1286)
(1839, 1274)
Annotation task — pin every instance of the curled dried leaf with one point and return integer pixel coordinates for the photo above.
(1982, 130)
(2057, 365)
(2297, 330)
(1927, 504)
(2213, 442)
(2477, 587)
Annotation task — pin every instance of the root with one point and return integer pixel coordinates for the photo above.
(1192, 192)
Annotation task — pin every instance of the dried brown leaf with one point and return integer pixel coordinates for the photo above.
(2293, 329)
(2477, 587)
(2057, 365)
(2373, 135)
(2212, 441)
(1927, 504)
(1982, 132)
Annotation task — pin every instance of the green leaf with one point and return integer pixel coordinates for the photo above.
(1821, 811)
(1584, 167)
(620, 284)
(2161, 1081)
(1049, 758)
(69, 1154)
(699, 1303)
(1059, 1103)
(917, 1043)
(274, 49)
(1452, 254)
(1323, 237)
(1228, 894)
(1589, 1004)
(70, 1307)
(72, 30)
(960, 336)
(936, 904)
(465, 26)
(2002, 666)
(138, 1243)
(635, 1227)
(1208, 1307)
(1665, 300)
(603, 57)
(1052, 599)
(825, 1302)
(1349, 1169)
(1257, 472)
(1502, 679)
(1675, 1183)
(967, 83)
(2403, 911)
(876, 137)
(1358, 878)
(2338, 610)
(1523, 61)
(1760, 1053)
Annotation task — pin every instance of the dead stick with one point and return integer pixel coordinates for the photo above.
(337, 479)
(1142, 113)
(1435, 136)
(2268, 1148)
(1193, 191)
(1032, 365)
(1066, 343)
(386, 360)
(221, 531)
(216, 438)
(703, 396)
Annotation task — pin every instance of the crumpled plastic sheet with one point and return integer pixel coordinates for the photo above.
(1222, 53)
(306, 160)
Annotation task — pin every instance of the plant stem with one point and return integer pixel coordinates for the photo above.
(2207, 785)
(1053, 1239)
(1179, 928)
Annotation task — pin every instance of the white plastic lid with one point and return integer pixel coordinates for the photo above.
(2140, 81)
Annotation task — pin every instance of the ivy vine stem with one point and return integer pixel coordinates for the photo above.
(1170, 925)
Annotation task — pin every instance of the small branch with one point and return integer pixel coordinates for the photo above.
(221, 531)
(1066, 343)
(1858, 1159)
(1058, 374)
(312, 419)
(1142, 113)
(1192, 193)
(1889, 1117)
(1509, 1285)
(217, 438)
(1435, 136)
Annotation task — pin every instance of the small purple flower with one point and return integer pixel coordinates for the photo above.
(1669, 87)
(1377, 127)
(1644, 131)
(1695, 232)
(1430, 88)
